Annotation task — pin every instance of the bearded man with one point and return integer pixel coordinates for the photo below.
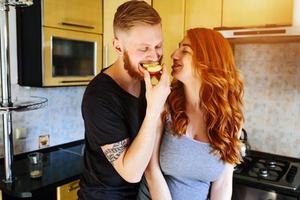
(121, 108)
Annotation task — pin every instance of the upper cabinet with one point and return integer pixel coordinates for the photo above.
(203, 13)
(172, 16)
(109, 9)
(257, 12)
(74, 15)
(241, 13)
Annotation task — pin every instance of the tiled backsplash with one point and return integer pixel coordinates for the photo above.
(61, 118)
(272, 96)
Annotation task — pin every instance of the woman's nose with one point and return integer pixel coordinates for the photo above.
(174, 55)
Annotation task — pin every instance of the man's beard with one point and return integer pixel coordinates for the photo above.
(132, 71)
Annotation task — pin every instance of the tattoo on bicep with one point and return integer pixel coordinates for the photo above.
(115, 151)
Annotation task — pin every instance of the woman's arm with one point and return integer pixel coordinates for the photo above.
(222, 188)
(157, 184)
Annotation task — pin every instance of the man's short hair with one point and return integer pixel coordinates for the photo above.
(133, 13)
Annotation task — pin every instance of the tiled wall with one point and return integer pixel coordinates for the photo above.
(272, 95)
(61, 118)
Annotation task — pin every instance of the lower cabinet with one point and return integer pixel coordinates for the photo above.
(68, 191)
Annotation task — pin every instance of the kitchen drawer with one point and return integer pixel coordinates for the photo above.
(68, 191)
(75, 15)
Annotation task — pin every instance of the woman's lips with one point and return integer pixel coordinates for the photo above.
(176, 67)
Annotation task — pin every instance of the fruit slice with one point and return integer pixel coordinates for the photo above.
(153, 68)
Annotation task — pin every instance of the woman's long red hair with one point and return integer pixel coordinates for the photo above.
(221, 94)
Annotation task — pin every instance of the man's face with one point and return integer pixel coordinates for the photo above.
(141, 43)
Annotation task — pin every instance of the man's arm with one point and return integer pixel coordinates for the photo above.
(113, 151)
(130, 158)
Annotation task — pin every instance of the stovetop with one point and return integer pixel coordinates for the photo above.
(269, 171)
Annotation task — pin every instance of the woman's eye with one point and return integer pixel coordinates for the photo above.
(185, 51)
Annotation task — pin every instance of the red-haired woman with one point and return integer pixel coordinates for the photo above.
(200, 143)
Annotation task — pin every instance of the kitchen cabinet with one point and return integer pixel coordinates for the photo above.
(74, 15)
(257, 12)
(68, 191)
(109, 9)
(172, 15)
(203, 13)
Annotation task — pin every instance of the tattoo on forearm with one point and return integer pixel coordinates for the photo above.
(117, 149)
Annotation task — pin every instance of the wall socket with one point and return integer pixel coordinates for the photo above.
(44, 141)
(20, 133)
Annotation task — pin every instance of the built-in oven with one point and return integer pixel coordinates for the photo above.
(70, 57)
(243, 192)
(265, 176)
(56, 47)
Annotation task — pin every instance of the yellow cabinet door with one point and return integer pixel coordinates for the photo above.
(172, 15)
(249, 13)
(109, 9)
(73, 15)
(203, 13)
(68, 191)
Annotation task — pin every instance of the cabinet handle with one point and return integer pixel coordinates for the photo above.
(260, 32)
(74, 81)
(106, 56)
(77, 25)
(73, 186)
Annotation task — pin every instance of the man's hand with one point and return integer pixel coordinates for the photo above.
(156, 95)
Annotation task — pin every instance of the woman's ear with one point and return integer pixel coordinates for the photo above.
(117, 46)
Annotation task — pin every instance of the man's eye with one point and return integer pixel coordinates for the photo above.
(158, 47)
(143, 49)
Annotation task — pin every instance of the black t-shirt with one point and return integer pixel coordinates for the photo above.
(110, 115)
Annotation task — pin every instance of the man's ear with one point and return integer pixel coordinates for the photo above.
(117, 46)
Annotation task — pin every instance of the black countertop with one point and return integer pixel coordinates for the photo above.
(61, 164)
(241, 181)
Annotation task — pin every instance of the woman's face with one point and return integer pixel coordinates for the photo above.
(183, 61)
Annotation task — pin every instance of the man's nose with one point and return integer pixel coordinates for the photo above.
(153, 55)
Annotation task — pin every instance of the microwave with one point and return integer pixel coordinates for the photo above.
(51, 56)
(70, 57)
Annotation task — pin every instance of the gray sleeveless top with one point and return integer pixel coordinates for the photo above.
(188, 167)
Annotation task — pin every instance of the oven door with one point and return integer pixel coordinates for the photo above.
(70, 57)
(241, 192)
